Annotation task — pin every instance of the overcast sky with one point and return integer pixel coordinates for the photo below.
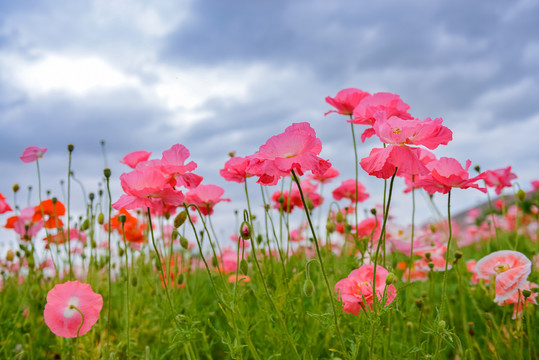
(218, 76)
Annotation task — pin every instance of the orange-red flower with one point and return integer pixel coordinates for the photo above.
(52, 210)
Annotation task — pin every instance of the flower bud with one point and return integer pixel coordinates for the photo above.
(526, 293)
(70, 147)
(477, 168)
(419, 303)
(390, 278)
(410, 325)
(121, 252)
(184, 243)
(215, 262)
(15, 188)
(441, 324)
(244, 267)
(134, 281)
(431, 265)
(180, 279)
(373, 211)
(31, 262)
(100, 219)
(458, 254)
(106, 172)
(471, 328)
(91, 196)
(259, 239)
(521, 195)
(122, 218)
(85, 225)
(232, 154)
(175, 234)
(245, 231)
(308, 287)
(10, 255)
(432, 228)
(180, 219)
(330, 227)
(339, 217)
(54, 200)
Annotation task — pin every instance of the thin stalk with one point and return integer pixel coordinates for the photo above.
(160, 265)
(126, 288)
(43, 215)
(357, 172)
(78, 330)
(410, 262)
(444, 283)
(107, 174)
(382, 236)
(70, 149)
(322, 267)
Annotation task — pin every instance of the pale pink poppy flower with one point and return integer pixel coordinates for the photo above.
(133, 158)
(235, 169)
(356, 290)
(174, 168)
(446, 174)
(346, 101)
(498, 178)
(292, 200)
(32, 153)
(325, 177)
(205, 197)
(382, 163)
(62, 318)
(347, 190)
(519, 300)
(471, 266)
(24, 225)
(4, 206)
(510, 268)
(147, 187)
(295, 149)
(390, 104)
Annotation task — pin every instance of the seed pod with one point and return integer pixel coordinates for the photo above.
(521, 195)
(100, 219)
(390, 278)
(15, 188)
(107, 172)
(85, 225)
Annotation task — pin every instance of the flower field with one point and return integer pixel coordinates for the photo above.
(146, 276)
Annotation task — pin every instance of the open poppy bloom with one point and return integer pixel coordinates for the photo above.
(498, 178)
(235, 169)
(60, 313)
(205, 197)
(510, 268)
(4, 206)
(346, 101)
(347, 190)
(32, 153)
(519, 300)
(356, 291)
(51, 210)
(295, 149)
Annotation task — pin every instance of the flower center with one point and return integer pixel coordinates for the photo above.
(501, 268)
(68, 310)
(289, 155)
(396, 131)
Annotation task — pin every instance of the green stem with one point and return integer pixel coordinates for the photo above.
(160, 265)
(68, 214)
(410, 262)
(126, 287)
(78, 330)
(357, 174)
(107, 176)
(322, 267)
(444, 283)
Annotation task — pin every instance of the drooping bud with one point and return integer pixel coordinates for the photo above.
(308, 288)
(180, 219)
(339, 217)
(245, 231)
(10, 255)
(184, 242)
(244, 267)
(330, 227)
(521, 195)
(85, 225)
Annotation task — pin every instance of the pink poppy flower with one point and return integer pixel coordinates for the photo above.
(289, 201)
(346, 100)
(133, 158)
(446, 174)
(510, 268)
(356, 291)
(205, 197)
(535, 185)
(174, 168)
(390, 104)
(32, 153)
(297, 148)
(519, 300)
(398, 133)
(147, 187)
(62, 318)
(498, 178)
(325, 177)
(347, 190)
(235, 169)
(4, 206)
